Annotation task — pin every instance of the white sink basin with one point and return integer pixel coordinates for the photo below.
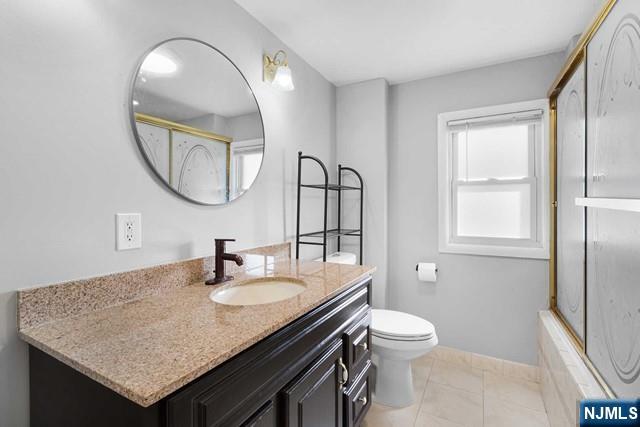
(258, 291)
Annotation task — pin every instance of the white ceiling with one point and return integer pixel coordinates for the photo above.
(402, 40)
(205, 82)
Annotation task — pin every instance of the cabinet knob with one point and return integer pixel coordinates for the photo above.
(363, 400)
(364, 346)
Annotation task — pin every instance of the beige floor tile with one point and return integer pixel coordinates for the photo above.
(501, 413)
(428, 420)
(462, 377)
(453, 394)
(521, 392)
(384, 416)
(452, 404)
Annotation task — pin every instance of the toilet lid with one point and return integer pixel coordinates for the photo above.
(395, 324)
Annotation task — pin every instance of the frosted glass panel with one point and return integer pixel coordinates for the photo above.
(614, 104)
(155, 141)
(492, 152)
(613, 237)
(571, 184)
(199, 168)
(496, 210)
(613, 298)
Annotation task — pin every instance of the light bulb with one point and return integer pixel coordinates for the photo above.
(159, 64)
(283, 79)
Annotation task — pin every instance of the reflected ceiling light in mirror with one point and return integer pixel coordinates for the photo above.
(277, 71)
(158, 64)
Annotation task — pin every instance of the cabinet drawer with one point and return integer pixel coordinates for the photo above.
(357, 399)
(357, 345)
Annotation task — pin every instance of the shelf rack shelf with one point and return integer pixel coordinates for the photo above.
(326, 233)
(335, 232)
(331, 187)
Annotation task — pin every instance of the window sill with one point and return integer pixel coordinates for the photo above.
(497, 251)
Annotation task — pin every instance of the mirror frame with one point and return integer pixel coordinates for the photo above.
(137, 138)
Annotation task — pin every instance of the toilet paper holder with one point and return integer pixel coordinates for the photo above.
(418, 264)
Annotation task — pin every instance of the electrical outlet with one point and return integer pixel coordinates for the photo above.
(128, 231)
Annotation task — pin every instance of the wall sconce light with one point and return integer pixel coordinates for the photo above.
(277, 71)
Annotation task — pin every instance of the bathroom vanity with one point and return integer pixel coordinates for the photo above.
(177, 358)
(286, 343)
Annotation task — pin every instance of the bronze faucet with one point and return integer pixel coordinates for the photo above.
(221, 256)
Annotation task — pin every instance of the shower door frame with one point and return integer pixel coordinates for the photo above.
(577, 57)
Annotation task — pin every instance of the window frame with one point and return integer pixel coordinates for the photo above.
(448, 241)
(239, 148)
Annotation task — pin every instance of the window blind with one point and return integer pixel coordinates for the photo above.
(519, 117)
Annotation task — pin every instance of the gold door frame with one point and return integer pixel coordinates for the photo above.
(577, 57)
(173, 126)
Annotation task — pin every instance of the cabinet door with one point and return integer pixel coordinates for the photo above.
(264, 417)
(314, 399)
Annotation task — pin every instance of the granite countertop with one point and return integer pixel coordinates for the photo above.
(147, 348)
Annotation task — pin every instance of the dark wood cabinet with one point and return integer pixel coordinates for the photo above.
(357, 399)
(357, 344)
(315, 398)
(313, 372)
(265, 417)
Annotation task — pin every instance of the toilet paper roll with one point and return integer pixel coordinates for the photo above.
(427, 271)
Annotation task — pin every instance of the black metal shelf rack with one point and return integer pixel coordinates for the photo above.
(325, 233)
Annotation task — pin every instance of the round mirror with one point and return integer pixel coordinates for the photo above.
(197, 121)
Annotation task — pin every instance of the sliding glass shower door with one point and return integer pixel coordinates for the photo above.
(613, 232)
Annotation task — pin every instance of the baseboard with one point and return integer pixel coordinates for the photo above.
(486, 363)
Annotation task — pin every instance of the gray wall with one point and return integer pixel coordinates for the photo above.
(362, 141)
(239, 128)
(485, 305)
(244, 127)
(210, 122)
(68, 161)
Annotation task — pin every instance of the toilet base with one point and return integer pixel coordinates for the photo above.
(394, 383)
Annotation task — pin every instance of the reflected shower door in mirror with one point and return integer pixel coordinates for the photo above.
(197, 121)
(571, 172)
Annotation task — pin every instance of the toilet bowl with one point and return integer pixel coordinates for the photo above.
(397, 338)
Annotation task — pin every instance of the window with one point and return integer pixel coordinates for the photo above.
(245, 164)
(492, 179)
(247, 168)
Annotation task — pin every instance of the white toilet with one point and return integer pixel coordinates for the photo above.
(396, 339)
